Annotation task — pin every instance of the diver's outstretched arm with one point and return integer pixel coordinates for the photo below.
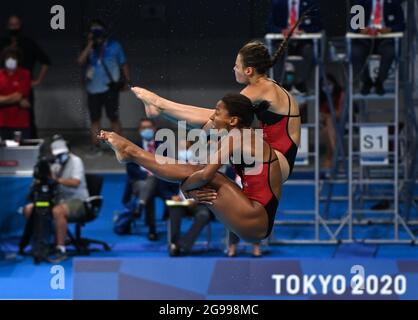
(202, 177)
(157, 105)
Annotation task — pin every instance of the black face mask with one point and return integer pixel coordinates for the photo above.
(62, 158)
(97, 46)
(14, 32)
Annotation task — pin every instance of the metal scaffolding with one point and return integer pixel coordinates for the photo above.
(363, 177)
(354, 169)
(314, 215)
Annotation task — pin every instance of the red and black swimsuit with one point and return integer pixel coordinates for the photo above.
(276, 132)
(258, 188)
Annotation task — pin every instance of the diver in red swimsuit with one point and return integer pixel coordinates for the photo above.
(281, 122)
(277, 125)
(251, 216)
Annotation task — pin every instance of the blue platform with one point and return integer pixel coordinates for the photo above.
(136, 263)
(223, 279)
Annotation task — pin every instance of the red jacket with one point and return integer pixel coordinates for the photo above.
(14, 116)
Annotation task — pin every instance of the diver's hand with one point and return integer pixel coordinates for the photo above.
(203, 195)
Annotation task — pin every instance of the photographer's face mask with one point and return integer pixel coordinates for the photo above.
(63, 158)
(10, 64)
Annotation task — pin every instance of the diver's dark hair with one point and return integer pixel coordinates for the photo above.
(256, 54)
(240, 106)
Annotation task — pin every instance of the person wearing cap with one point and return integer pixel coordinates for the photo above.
(68, 172)
(106, 74)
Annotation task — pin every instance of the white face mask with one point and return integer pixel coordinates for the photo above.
(11, 64)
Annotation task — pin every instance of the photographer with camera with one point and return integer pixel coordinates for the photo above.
(103, 59)
(71, 191)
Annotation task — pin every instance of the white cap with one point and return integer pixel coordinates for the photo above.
(59, 147)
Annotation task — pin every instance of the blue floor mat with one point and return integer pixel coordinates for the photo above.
(19, 278)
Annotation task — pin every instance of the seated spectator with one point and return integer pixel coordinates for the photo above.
(382, 17)
(15, 86)
(182, 244)
(143, 185)
(68, 173)
(284, 14)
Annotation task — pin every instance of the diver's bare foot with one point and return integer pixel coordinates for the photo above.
(152, 111)
(119, 144)
(146, 95)
(150, 100)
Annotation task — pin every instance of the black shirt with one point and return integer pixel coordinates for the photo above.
(31, 51)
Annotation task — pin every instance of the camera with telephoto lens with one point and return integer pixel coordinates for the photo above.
(43, 193)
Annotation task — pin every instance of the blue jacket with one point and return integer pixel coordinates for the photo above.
(134, 173)
(392, 13)
(279, 16)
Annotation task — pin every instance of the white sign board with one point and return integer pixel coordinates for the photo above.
(374, 145)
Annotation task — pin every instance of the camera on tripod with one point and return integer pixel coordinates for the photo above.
(39, 226)
(44, 187)
(43, 195)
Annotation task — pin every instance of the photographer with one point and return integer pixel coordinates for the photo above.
(103, 58)
(68, 173)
